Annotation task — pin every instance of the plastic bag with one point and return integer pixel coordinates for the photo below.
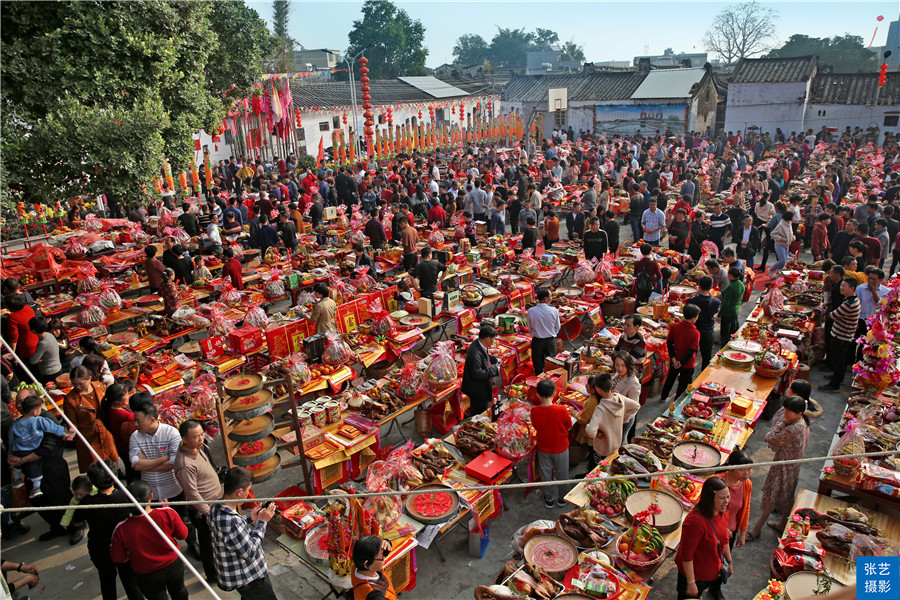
(382, 323)
(90, 314)
(533, 529)
(298, 369)
(459, 232)
(358, 237)
(528, 266)
(851, 442)
(74, 250)
(441, 370)
(203, 397)
(363, 282)
(606, 267)
(180, 235)
(274, 286)
(230, 296)
(435, 238)
(342, 221)
(870, 545)
(166, 217)
(514, 434)
(92, 223)
(221, 324)
(410, 382)
(88, 282)
(584, 273)
(379, 477)
(256, 317)
(237, 249)
(109, 298)
(342, 290)
(337, 351)
(773, 299)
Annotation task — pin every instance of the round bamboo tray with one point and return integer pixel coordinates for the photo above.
(637, 565)
(672, 512)
(190, 349)
(706, 455)
(803, 584)
(249, 407)
(269, 469)
(432, 519)
(243, 384)
(552, 553)
(269, 448)
(252, 430)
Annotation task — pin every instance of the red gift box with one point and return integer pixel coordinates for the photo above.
(212, 347)
(280, 343)
(298, 331)
(488, 467)
(246, 339)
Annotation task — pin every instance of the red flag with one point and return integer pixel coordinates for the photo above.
(320, 160)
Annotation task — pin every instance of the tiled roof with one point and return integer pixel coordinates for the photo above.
(774, 70)
(668, 83)
(855, 88)
(337, 93)
(583, 87)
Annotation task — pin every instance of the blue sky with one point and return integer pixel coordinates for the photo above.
(607, 30)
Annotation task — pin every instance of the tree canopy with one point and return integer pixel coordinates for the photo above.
(509, 46)
(741, 31)
(96, 94)
(846, 53)
(393, 42)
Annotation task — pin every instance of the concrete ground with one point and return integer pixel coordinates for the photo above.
(67, 573)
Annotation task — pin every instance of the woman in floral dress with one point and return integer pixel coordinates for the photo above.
(788, 437)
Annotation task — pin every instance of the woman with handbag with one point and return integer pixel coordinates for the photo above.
(704, 557)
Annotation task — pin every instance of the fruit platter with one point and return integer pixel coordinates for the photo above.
(584, 528)
(641, 548)
(471, 295)
(667, 425)
(607, 496)
(770, 364)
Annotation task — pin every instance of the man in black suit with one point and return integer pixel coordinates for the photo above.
(480, 370)
(363, 259)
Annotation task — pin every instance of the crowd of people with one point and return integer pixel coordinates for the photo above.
(259, 206)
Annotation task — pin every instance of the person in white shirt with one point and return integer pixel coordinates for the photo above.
(544, 325)
(433, 187)
(213, 233)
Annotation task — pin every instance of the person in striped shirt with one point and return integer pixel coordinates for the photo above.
(843, 332)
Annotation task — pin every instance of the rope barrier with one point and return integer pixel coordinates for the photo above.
(476, 488)
(133, 501)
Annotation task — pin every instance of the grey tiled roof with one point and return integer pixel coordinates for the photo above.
(855, 88)
(337, 93)
(774, 70)
(586, 87)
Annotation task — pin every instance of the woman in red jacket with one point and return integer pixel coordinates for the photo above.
(740, 487)
(19, 335)
(704, 541)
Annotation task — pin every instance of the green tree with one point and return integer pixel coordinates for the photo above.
(95, 94)
(572, 51)
(741, 31)
(544, 38)
(508, 47)
(470, 49)
(281, 12)
(846, 53)
(394, 42)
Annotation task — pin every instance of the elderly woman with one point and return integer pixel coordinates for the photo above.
(81, 406)
(168, 292)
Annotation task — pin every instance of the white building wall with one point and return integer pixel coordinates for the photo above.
(217, 150)
(766, 105)
(842, 116)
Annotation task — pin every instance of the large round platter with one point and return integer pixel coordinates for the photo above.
(123, 337)
(695, 455)
(316, 546)
(190, 349)
(268, 450)
(561, 533)
(552, 553)
(571, 292)
(803, 583)
(573, 596)
(243, 384)
(447, 503)
(745, 346)
(681, 291)
(63, 381)
(415, 321)
(672, 512)
(248, 407)
(269, 469)
(148, 300)
(737, 358)
(252, 430)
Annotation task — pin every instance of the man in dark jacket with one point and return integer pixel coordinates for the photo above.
(575, 222)
(188, 221)
(479, 371)
(268, 235)
(288, 231)
(611, 227)
(316, 210)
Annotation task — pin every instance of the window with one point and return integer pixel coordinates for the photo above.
(323, 126)
(560, 119)
(301, 134)
(381, 119)
(891, 120)
(336, 122)
(439, 115)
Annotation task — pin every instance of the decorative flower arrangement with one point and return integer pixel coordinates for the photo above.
(878, 368)
(775, 589)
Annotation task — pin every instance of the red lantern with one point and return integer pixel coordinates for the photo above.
(420, 114)
(297, 118)
(882, 75)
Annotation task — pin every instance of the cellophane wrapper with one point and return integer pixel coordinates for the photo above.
(237, 249)
(358, 237)
(222, 325)
(528, 266)
(109, 298)
(74, 250)
(203, 394)
(256, 317)
(584, 273)
(773, 299)
(88, 282)
(436, 238)
(385, 509)
(382, 323)
(166, 217)
(441, 371)
(363, 282)
(606, 267)
(343, 290)
(178, 233)
(514, 434)
(411, 381)
(298, 369)
(459, 232)
(90, 314)
(337, 351)
(230, 296)
(852, 442)
(92, 223)
(342, 221)
(274, 287)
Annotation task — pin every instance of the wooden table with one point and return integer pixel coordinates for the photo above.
(746, 383)
(843, 571)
